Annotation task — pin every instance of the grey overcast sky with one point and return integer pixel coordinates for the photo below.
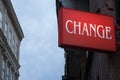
(40, 56)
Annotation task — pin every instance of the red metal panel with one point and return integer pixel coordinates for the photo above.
(86, 30)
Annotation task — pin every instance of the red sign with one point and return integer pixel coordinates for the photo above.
(86, 30)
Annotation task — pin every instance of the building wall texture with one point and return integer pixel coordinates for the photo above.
(108, 64)
(91, 65)
(10, 38)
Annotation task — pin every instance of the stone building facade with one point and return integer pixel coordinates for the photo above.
(106, 66)
(10, 38)
(92, 65)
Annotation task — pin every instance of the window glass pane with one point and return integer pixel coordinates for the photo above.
(11, 75)
(3, 74)
(6, 29)
(9, 36)
(3, 69)
(7, 70)
(7, 78)
(0, 19)
(0, 15)
(3, 64)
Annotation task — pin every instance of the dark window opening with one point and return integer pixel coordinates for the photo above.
(117, 11)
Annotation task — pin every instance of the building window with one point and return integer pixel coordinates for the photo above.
(7, 72)
(14, 46)
(117, 11)
(16, 78)
(9, 36)
(0, 19)
(3, 69)
(17, 51)
(6, 28)
(13, 41)
(11, 76)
